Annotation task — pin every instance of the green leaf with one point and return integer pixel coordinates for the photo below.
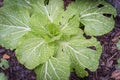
(42, 27)
(81, 54)
(118, 65)
(14, 23)
(118, 44)
(71, 27)
(4, 64)
(34, 51)
(53, 29)
(38, 23)
(69, 21)
(91, 16)
(52, 10)
(79, 70)
(8, 3)
(3, 77)
(55, 68)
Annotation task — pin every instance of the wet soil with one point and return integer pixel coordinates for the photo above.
(107, 69)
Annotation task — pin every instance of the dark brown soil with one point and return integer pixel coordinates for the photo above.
(107, 69)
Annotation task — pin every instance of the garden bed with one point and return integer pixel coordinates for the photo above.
(107, 69)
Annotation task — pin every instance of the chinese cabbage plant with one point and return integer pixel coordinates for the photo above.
(50, 40)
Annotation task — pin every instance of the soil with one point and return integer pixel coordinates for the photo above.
(107, 69)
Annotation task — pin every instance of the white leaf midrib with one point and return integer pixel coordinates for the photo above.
(75, 55)
(54, 70)
(18, 27)
(32, 51)
(47, 13)
(77, 52)
(16, 19)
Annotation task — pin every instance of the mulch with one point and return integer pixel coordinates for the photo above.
(107, 69)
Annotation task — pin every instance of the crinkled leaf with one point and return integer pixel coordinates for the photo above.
(53, 29)
(14, 23)
(3, 77)
(42, 27)
(44, 21)
(33, 52)
(52, 10)
(92, 16)
(54, 69)
(82, 55)
(69, 21)
(38, 23)
(71, 27)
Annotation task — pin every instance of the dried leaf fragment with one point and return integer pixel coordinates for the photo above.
(116, 75)
(5, 56)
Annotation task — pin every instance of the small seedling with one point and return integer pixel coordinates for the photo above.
(3, 77)
(4, 64)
